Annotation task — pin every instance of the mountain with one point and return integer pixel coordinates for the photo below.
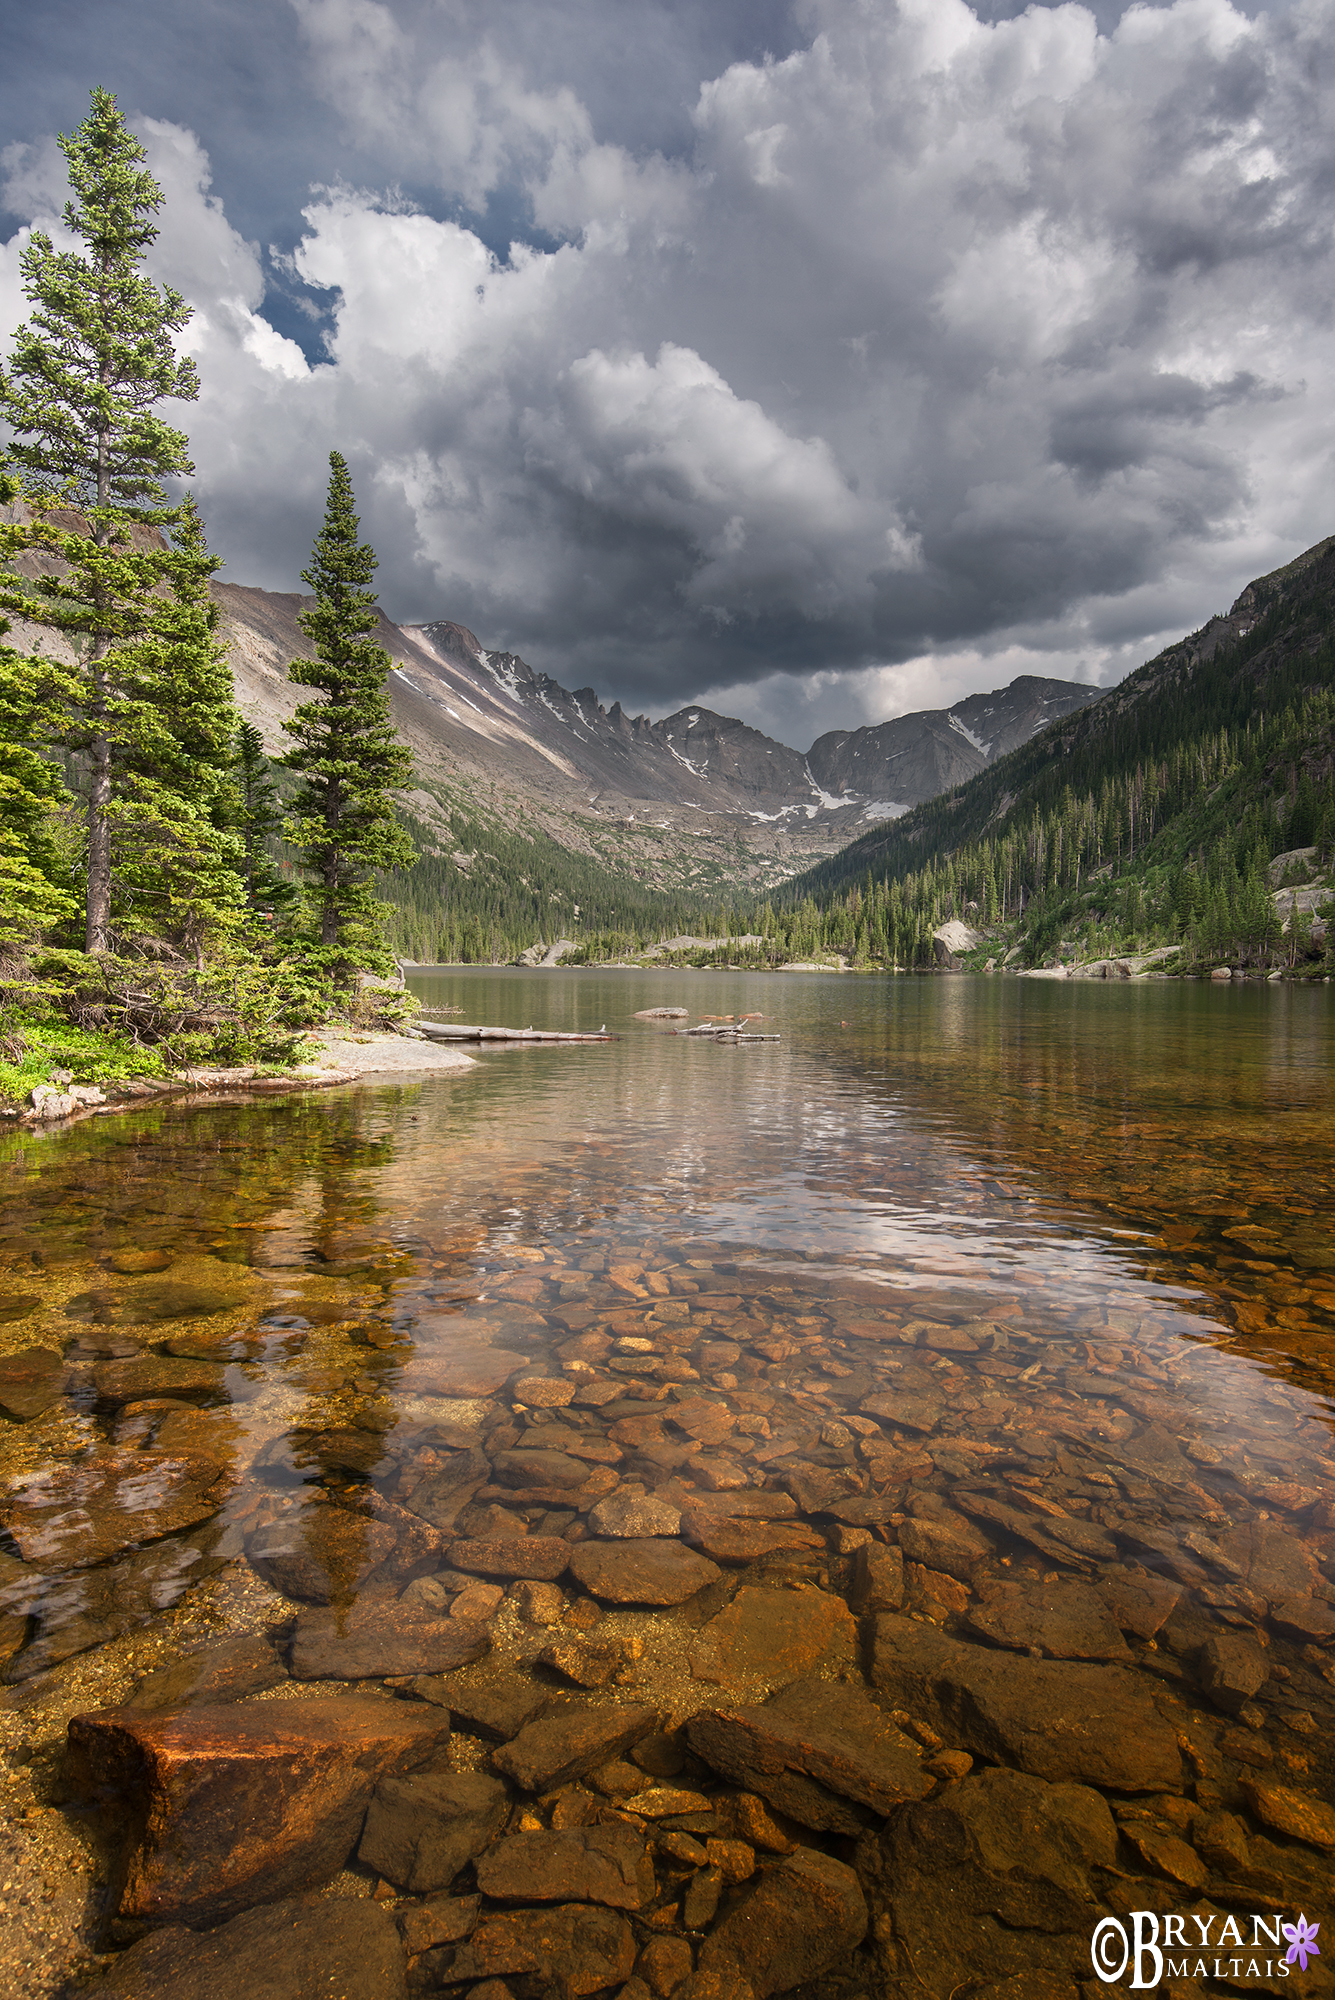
(697, 802)
(913, 757)
(1191, 804)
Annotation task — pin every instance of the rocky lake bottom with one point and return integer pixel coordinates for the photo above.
(845, 1517)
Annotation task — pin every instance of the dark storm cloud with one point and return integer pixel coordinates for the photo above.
(819, 360)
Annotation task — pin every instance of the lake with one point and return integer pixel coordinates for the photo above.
(998, 1315)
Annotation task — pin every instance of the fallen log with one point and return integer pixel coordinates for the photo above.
(452, 1031)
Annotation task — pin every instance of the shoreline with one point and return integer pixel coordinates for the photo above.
(338, 1059)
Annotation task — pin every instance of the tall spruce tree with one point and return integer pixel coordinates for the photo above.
(80, 401)
(347, 752)
(176, 847)
(260, 821)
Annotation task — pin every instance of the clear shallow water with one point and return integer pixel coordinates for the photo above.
(1089, 1227)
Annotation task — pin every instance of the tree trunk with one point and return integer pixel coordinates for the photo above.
(98, 902)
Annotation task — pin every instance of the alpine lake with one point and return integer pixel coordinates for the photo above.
(850, 1515)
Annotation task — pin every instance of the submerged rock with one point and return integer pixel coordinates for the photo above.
(79, 1514)
(224, 1807)
(320, 1554)
(421, 1829)
(634, 1515)
(776, 1636)
(1231, 1669)
(997, 1873)
(86, 1607)
(590, 1947)
(306, 1948)
(158, 1375)
(379, 1639)
(1067, 1620)
(811, 1751)
(1059, 1720)
(467, 1369)
(727, 1540)
(30, 1382)
(557, 1748)
(641, 1571)
(498, 1708)
(540, 1557)
(228, 1671)
(588, 1864)
(800, 1918)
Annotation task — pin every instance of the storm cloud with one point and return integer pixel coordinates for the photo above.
(815, 365)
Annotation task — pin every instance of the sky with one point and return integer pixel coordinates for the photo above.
(814, 360)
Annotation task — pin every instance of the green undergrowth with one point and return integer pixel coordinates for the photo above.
(30, 1050)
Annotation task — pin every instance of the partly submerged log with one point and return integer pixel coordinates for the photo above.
(455, 1031)
(717, 1033)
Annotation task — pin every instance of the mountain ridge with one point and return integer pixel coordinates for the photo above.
(694, 800)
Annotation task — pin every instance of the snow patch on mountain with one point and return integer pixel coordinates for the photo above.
(985, 749)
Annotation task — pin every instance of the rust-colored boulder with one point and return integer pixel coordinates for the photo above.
(224, 1807)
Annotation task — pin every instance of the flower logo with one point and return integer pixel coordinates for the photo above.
(1301, 1947)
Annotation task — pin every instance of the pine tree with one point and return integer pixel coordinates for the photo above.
(347, 753)
(260, 821)
(176, 849)
(37, 888)
(80, 401)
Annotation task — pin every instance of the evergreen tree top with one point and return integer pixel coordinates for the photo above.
(99, 351)
(341, 567)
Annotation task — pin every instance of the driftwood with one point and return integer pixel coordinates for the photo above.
(449, 1031)
(718, 1032)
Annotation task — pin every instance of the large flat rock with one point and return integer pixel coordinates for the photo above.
(774, 1636)
(224, 1807)
(644, 1570)
(142, 1375)
(380, 1639)
(541, 1557)
(538, 1468)
(301, 1949)
(725, 1539)
(1067, 1620)
(812, 1751)
(1060, 1720)
(465, 1370)
(78, 1514)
